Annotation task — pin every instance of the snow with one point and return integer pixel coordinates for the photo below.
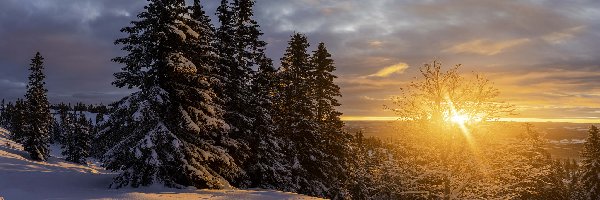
(182, 64)
(21, 178)
(178, 32)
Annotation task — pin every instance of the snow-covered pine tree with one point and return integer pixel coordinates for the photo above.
(247, 96)
(201, 47)
(335, 141)
(267, 167)
(237, 72)
(360, 180)
(37, 112)
(77, 139)
(574, 186)
(296, 116)
(171, 131)
(590, 164)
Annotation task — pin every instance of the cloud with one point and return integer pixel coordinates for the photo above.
(387, 71)
(486, 47)
(517, 37)
(13, 84)
(562, 36)
(375, 99)
(376, 43)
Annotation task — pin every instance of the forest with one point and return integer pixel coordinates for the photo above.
(208, 109)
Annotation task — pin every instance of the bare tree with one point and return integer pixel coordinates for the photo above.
(442, 110)
(438, 96)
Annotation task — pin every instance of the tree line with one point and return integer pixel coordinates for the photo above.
(211, 111)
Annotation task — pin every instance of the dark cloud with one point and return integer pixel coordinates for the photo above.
(520, 44)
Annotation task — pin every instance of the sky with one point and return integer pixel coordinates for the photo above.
(543, 55)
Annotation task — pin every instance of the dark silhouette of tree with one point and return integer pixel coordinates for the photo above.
(37, 112)
(294, 117)
(247, 95)
(3, 119)
(334, 142)
(305, 112)
(17, 116)
(77, 138)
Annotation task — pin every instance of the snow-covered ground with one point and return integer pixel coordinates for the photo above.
(21, 178)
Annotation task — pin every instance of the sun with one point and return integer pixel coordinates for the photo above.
(459, 119)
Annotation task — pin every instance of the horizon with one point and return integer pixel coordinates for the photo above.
(506, 119)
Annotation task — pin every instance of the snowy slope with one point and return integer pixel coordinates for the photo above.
(21, 178)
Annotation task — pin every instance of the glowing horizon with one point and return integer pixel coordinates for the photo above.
(506, 119)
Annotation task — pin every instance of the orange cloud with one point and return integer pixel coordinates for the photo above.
(562, 36)
(387, 71)
(486, 47)
(375, 43)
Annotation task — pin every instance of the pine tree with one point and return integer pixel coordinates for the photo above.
(17, 119)
(63, 114)
(38, 112)
(304, 109)
(201, 48)
(2, 114)
(590, 164)
(76, 144)
(294, 75)
(237, 74)
(296, 116)
(55, 131)
(246, 94)
(5, 114)
(171, 131)
(76, 141)
(325, 90)
(360, 180)
(334, 141)
(267, 166)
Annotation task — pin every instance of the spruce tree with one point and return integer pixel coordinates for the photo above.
(201, 48)
(63, 114)
(296, 118)
(5, 115)
(334, 141)
(267, 166)
(55, 131)
(590, 164)
(237, 73)
(2, 114)
(247, 96)
(326, 91)
(18, 121)
(304, 104)
(69, 129)
(171, 131)
(76, 144)
(38, 112)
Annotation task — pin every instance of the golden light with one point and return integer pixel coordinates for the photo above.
(459, 119)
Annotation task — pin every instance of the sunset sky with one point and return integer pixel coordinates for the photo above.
(544, 55)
